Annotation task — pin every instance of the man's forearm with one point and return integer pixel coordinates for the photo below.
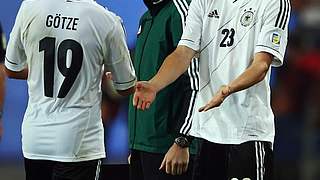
(173, 66)
(17, 75)
(254, 74)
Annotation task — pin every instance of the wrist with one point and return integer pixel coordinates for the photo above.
(176, 146)
(154, 85)
(228, 90)
(189, 138)
(182, 142)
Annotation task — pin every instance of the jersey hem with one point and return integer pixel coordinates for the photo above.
(189, 44)
(64, 159)
(232, 141)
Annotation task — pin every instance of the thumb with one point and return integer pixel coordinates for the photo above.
(163, 164)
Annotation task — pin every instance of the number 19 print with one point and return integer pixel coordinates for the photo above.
(47, 45)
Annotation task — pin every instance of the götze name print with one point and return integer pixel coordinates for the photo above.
(63, 22)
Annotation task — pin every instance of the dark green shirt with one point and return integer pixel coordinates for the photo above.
(155, 129)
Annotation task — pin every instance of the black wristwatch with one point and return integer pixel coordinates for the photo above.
(182, 142)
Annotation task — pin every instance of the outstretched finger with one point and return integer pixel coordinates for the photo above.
(140, 104)
(202, 109)
(137, 94)
(144, 105)
(206, 107)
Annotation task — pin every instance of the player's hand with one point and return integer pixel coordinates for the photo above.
(144, 95)
(176, 161)
(217, 99)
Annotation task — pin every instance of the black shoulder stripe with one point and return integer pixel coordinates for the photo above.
(279, 15)
(185, 5)
(182, 10)
(286, 8)
(287, 15)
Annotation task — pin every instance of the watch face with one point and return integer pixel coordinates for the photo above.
(182, 142)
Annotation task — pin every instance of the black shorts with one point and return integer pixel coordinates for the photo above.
(145, 166)
(248, 161)
(53, 170)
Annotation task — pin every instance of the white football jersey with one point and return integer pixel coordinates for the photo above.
(227, 34)
(65, 44)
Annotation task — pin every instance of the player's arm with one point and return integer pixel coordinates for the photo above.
(253, 75)
(269, 50)
(173, 66)
(15, 60)
(118, 61)
(23, 75)
(177, 62)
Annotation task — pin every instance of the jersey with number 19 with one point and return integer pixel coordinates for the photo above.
(65, 44)
(227, 34)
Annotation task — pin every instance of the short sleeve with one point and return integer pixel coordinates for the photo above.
(191, 36)
(15, 54)
(273, 37)
(117, 58)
